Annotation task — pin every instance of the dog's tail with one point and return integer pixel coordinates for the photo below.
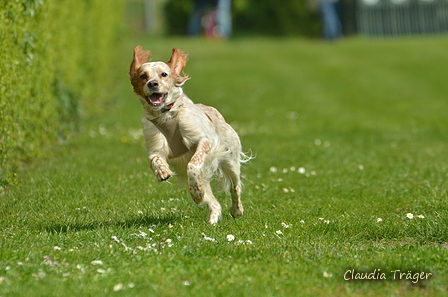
(228, 177)
(246, 157)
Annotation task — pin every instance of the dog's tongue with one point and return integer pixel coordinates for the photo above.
(156, 98)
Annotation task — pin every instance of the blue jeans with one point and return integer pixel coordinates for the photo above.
(330, 19)
(224, 17)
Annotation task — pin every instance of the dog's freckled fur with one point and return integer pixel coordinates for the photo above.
(193, 138)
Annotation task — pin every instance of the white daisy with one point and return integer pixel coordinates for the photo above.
(284, 225)
(327, 274)
(208, 238)
(118, 287)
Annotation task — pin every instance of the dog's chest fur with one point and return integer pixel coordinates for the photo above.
(170, 129)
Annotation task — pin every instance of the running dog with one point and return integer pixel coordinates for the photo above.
(193, 138)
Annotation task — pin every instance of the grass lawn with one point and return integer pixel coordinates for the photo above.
(350, 140)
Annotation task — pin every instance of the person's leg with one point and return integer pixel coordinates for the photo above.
(224, 18)
(194, 24)
(331, 24)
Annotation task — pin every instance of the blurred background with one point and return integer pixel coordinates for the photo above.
(297, 17)
(58, 57)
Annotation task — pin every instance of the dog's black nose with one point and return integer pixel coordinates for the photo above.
(153, 84)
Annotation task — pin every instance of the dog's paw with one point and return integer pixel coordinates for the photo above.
(214, 218)
(236, 211)
(163, 173)
(214, 214)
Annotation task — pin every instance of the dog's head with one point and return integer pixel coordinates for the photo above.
(157, 83)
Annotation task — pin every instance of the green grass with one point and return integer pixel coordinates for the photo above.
(365, 118)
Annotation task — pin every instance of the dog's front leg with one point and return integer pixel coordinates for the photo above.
(199, 182)
(158, 150)
(160, 167)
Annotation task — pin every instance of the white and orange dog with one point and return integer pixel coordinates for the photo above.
(193, 138)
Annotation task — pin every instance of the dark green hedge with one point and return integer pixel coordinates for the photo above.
(277, 18)
(261, 17)
(55, 56)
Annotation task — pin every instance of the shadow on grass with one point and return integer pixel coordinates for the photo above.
(145, 221)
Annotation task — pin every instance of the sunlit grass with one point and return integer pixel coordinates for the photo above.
(350, 173)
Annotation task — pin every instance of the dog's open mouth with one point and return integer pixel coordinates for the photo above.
(156, 99)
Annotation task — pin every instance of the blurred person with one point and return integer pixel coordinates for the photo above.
(330, 10)
(224, 17)
(217, 23)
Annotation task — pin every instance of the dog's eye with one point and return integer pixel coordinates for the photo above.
(164, 74)
(143, 76)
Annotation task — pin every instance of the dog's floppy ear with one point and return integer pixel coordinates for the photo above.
(177, 63)
(140, 57)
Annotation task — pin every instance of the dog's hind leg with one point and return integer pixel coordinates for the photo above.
(232, 170)
(214, 208)
(199, 184)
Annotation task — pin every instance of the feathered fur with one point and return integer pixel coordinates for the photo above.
(193, 138)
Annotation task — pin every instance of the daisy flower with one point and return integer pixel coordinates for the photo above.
(279, 232)
(379, 220)
(208, 238)
(421, 216)
(118, 287)
(230, 237)
(327, 274)
(169, 242)
(285, 225)
(410, 216)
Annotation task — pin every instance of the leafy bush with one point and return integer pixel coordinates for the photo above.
(53, 55)
(262, 17)
(268, 17)
(177, 13)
